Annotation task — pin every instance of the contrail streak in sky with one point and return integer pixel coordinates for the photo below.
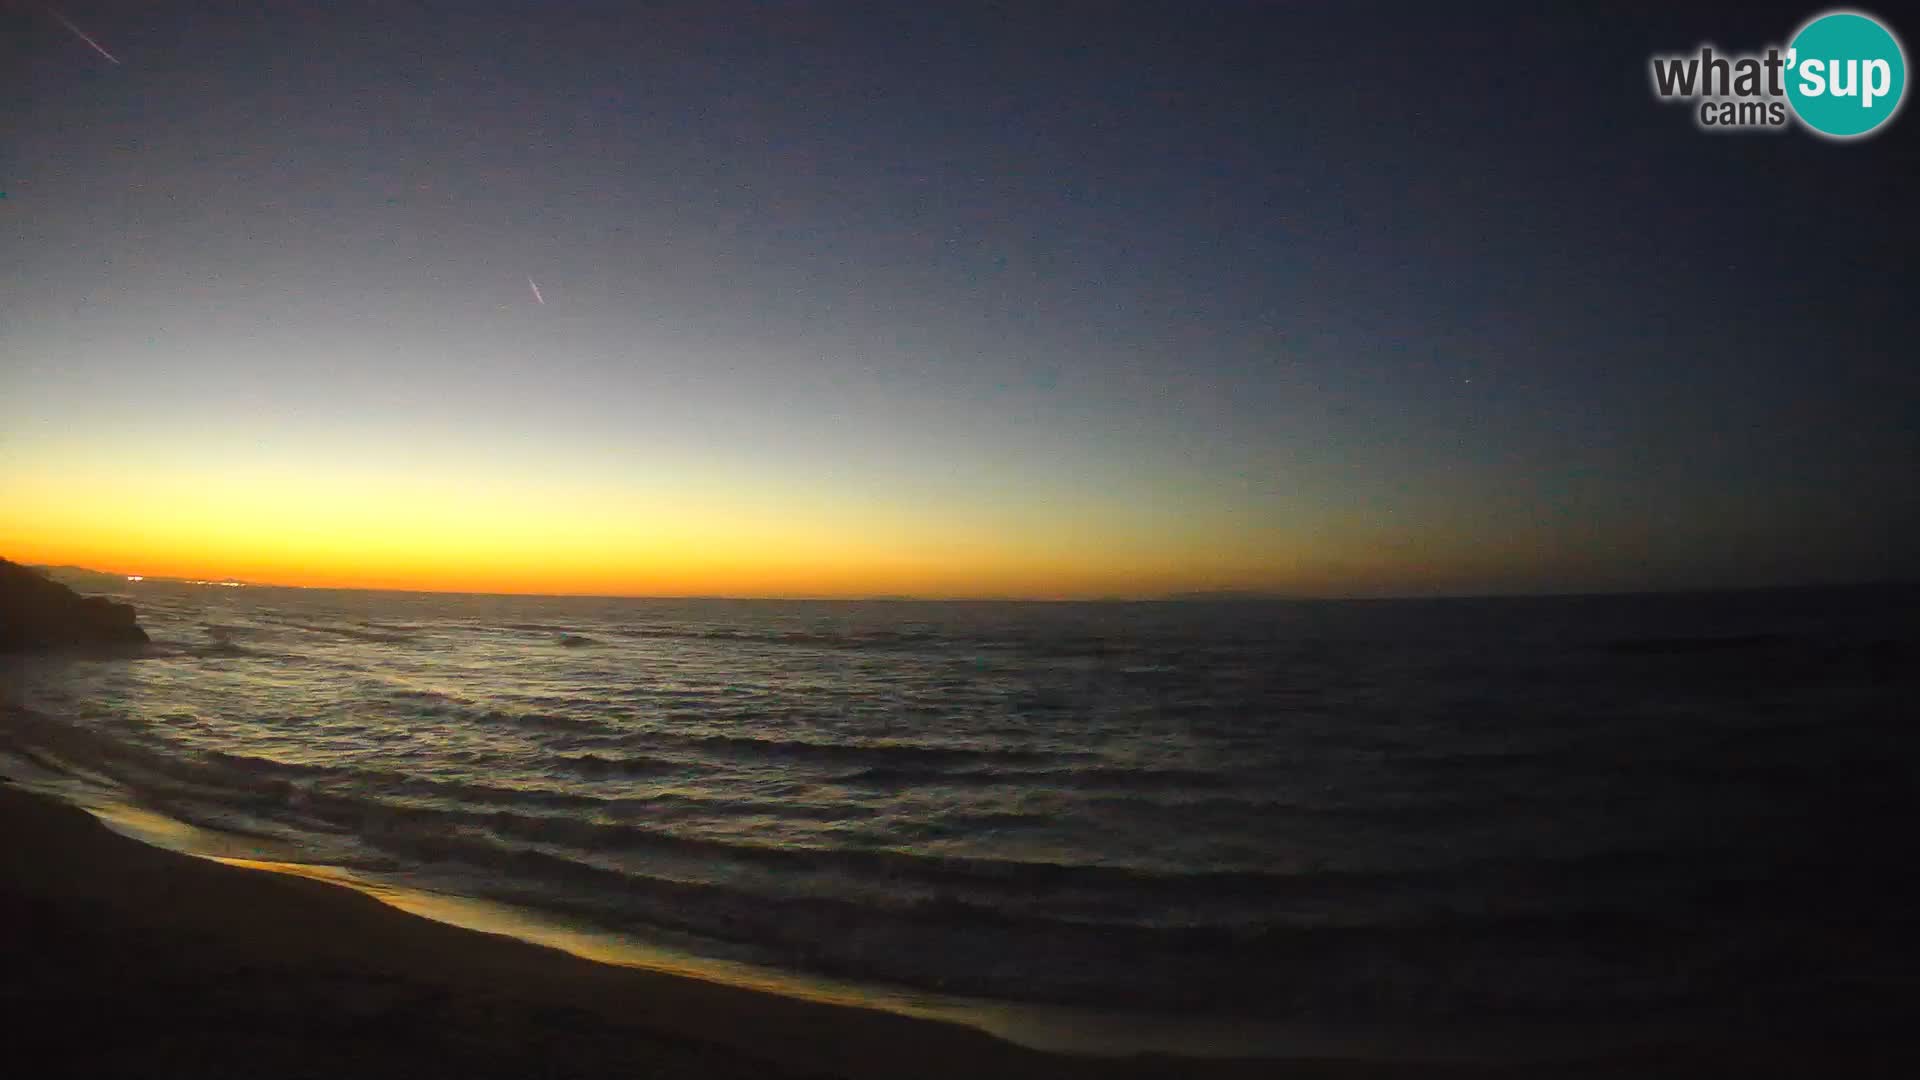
(68, 23)
(536, 292)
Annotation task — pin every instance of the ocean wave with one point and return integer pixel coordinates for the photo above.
(1040, 647)
(1004, 884)
(596, 767)
(829, 639)
(423, 693)
(539, 721)
(1001, 878)
(219, 648)
(472, 791)
(878, 753)
(895, 777)
(947, 940)
(658, 806)
(414, 702)
(985, 891)
(354, 633)
(250, 763)
(125, 763)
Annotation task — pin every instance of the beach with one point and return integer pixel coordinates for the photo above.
(125, 959)
(130, 959)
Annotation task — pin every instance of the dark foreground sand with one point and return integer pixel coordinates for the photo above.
(120, 958)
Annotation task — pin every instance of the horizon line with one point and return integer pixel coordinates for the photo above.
(1188, 596)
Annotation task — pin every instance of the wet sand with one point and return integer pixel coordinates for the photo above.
(121, 958)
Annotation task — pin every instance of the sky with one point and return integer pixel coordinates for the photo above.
(1031, 300)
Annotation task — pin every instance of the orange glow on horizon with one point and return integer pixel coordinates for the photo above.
(415, 534)
(683, 529)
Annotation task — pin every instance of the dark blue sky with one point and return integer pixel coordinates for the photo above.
(1055, 299)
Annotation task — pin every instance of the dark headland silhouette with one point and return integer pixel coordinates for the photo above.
(39, 613)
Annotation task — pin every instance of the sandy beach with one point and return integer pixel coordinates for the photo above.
(121, 958)
(124, 958)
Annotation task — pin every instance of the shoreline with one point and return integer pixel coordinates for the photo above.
(203, 966)
(1044, 1028)
(184, 965)
(208, 962)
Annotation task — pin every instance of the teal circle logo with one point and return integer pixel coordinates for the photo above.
(1846, 74)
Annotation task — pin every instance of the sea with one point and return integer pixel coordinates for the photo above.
(1405, 827)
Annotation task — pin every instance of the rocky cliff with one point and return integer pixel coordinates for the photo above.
(36, 613)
